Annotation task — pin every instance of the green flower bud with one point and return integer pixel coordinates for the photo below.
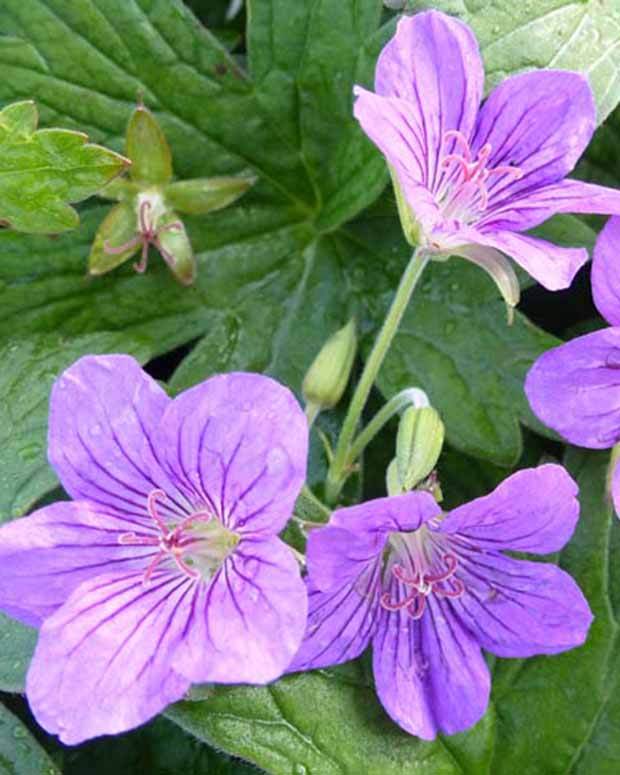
(411, 228)
(329, 374)
(418, 445)
(203, 195)
(148, 149)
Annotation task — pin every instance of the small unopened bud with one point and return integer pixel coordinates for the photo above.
(329, 374)
(148, 149)
(411, 228)
(418, 445)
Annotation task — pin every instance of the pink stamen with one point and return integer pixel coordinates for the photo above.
(461, 140)
(417, 607)
(435, 578)
(151, 505)
(458, 588)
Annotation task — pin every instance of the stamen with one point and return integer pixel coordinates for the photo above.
(417, 608)
(457, 589)
(450, 562)
(151, 505)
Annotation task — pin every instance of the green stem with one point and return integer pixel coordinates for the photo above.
(337, 473)
(408, 397)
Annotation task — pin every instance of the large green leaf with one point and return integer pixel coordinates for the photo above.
(564, 34)
(42, 170)
(20, 754)
(280, 272)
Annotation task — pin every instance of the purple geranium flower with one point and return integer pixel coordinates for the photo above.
(166, 569)
(575, 388)
(428, 592)
(476, 177)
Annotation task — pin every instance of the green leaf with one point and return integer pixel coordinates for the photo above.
(20, 754)
(30, 366)
(325, 723)
(41, 171)
(17, 644)
(561, 34)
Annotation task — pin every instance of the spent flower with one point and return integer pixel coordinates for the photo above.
(166, 569)
(429, 591)
(470, 179)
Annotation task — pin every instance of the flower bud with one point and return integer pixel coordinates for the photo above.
(418, 445)
(327, 378)
(148, 149)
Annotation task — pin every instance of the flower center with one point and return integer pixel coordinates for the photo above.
(423, 568)
(464, 188)
(198, 544)
(148, 234)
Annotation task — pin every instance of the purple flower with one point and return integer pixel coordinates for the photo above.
(429, 592)
(476, 177)
(575, 388)
(166, 569)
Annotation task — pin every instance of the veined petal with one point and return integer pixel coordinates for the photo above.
(498, 267)
(552, 266)
(102, 410)
(46, 556)
(534, 510)
(248, 623)
(394, 514)
(430, 674)
(337, 556)
(390, 124)
(575, 389)
(341, 621)
(433, 64)
(606, 272)
(103, 661)
(516, 608)
(532, 207)
(539, 122)
(237, 445)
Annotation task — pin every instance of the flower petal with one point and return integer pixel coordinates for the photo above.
(46, 556)
(606, 272)
(237, 444)
(248, 623)
(394, 514)
(341, 621)
(540, 122)
(534, 510)
(552, 266)
(389, 123)
(498, 267)
(433, 65)
(103, 661)
(532, 207)
(516, 608)
(615, 487)
(575, 389)
(430, 674)
(102, 414)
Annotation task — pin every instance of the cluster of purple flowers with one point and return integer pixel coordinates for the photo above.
(166, 568)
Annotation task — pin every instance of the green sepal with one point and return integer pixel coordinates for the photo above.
(148, 149)
(119, 189)
(178, 253)
(411, 228)
(117, 228)
(204, 195)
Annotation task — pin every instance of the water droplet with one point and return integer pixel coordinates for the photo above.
(246, 406)
(449, 328)
(95, 430)
(253, 595)
(300, 769)
(19, 732)
(30, 452)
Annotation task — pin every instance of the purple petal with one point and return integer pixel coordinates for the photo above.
(237, 445)
(552, 266)
(531, 208)
(103, 412)
(575, 389)
(341, 621)
(430, 674)
(606, 272)
(433, 65)
(534, 510)
(46, 556)
(394, 514)
(336, 556)
(516, 608)
(389, 123)
(247, 625)
(103, 661)
(540, 122)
